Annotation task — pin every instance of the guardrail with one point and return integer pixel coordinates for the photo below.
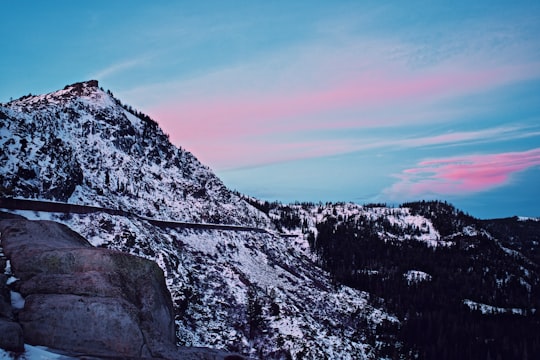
(60, 207)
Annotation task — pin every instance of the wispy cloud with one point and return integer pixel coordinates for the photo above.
(248, 110)
(251, 113)
(261, 150)
(461, 175)
(500, 133)
(229, 123)
(116, 68)
(386, 96)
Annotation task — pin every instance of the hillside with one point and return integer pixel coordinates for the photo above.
(81, 145)
(464, 288)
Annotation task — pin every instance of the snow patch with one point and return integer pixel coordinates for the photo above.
(33, 353)
(416, 276)
(494, 310)
(17, 301)
(526, 218)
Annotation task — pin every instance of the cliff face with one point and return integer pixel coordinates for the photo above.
(86, 300)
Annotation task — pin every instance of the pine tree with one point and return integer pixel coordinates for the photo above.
(254, 312)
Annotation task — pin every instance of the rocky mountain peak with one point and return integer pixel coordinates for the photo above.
(83, 85)
(86, 89)
(82, 145)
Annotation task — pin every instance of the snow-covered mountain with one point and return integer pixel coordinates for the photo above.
(462, 287)
(81, 145)
(277, 291)
(252, 292)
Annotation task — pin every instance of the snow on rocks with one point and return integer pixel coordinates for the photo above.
(251, 292)
(388, 219)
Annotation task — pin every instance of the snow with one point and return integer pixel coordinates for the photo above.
(526, 218)
(493, 310)
(510, 252)
(470, 231)
(34, 215)
(416, 276)
(33, 353)
(415, 227)
(17, 301)
(7, 270)
(218, 267)
(213, 271)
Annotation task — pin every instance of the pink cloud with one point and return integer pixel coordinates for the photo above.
(247, 114)
(253, 152)
(238, 116)
(461, 175)
(226, 121)
(222, 153)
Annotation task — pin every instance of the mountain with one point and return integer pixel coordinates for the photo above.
(252, 292)
(462, 287)
(313, 281)
(81, 145)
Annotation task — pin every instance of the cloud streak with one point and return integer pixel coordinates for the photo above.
(117, 68)
(461, 175)
(248, 114)
(361, 85)
(260, 150)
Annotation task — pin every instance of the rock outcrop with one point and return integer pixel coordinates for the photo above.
(85, 300)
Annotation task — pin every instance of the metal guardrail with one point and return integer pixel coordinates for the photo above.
(60, 207)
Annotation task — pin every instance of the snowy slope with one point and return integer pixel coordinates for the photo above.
(217, 278)
(390, 223)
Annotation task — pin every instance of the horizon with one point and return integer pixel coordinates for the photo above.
(314, 102)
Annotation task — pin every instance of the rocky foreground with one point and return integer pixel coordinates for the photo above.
(62, 293)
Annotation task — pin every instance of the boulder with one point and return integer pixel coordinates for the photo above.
(86, 300)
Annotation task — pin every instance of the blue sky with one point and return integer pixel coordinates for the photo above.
(363, 101)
